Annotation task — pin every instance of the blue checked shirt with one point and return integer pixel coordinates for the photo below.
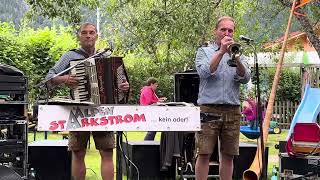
(64, 62)
(223, 85)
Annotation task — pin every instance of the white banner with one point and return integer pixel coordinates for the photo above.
(118, 118)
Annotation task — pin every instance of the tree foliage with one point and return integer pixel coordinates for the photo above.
(308, 23)
(69, 11)
(33, 51)
(13, 10)
(160, 38)
(289, 88)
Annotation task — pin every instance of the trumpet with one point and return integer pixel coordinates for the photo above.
(234, 50)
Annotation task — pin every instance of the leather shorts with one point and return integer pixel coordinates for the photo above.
(225, 125)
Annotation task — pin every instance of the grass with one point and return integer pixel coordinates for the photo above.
(93, 158)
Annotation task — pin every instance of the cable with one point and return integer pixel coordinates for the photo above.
(137, 169)
(129, 160)
(123, 154)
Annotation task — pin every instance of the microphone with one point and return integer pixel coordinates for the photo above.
(244, 38)
(107, 52)
(103, 53)
(111, 45)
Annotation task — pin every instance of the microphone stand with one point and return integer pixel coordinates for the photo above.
(259, 106)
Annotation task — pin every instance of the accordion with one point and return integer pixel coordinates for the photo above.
(99, 80)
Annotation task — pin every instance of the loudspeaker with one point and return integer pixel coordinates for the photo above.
(8, 174)
(299, 165)
(146, 157)
(50, 159)
(186, 87)
(246, 156)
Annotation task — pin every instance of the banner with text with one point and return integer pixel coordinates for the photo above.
(118, 118)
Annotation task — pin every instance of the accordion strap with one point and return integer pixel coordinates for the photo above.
(80, 51)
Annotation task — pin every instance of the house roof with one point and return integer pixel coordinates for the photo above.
(292, 36)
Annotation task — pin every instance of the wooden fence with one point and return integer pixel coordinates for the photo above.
(283, 112)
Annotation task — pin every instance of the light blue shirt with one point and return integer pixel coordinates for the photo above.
(64, 63)
(223, 85)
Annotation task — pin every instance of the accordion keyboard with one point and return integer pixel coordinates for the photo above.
(80, 93)
(99, 80)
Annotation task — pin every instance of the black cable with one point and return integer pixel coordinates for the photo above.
(46, 102)
(138, 174)
(47, 93)
(123, 154)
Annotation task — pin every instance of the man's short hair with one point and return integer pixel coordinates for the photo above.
(87, 24)
(225, 18)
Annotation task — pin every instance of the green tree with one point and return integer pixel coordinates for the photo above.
(34, 51)
(289, 87)
(70, 11)
(167, 33)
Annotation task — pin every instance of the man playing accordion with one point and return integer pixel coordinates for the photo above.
(104, 141)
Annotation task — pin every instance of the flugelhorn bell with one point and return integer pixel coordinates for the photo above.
(234, 50)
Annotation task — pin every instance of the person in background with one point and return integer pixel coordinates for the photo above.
(148, 96)
(250, 112)
(219, 96)
(104, 141)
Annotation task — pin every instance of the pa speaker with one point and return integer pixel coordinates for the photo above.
(145, 155)
(8, 174)
(50, 159)
(186, 87)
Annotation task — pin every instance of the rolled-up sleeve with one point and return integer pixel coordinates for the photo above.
(202, 64)
(247, 75)
(61, 65)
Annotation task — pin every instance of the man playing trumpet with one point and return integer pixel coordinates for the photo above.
(219, 95)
